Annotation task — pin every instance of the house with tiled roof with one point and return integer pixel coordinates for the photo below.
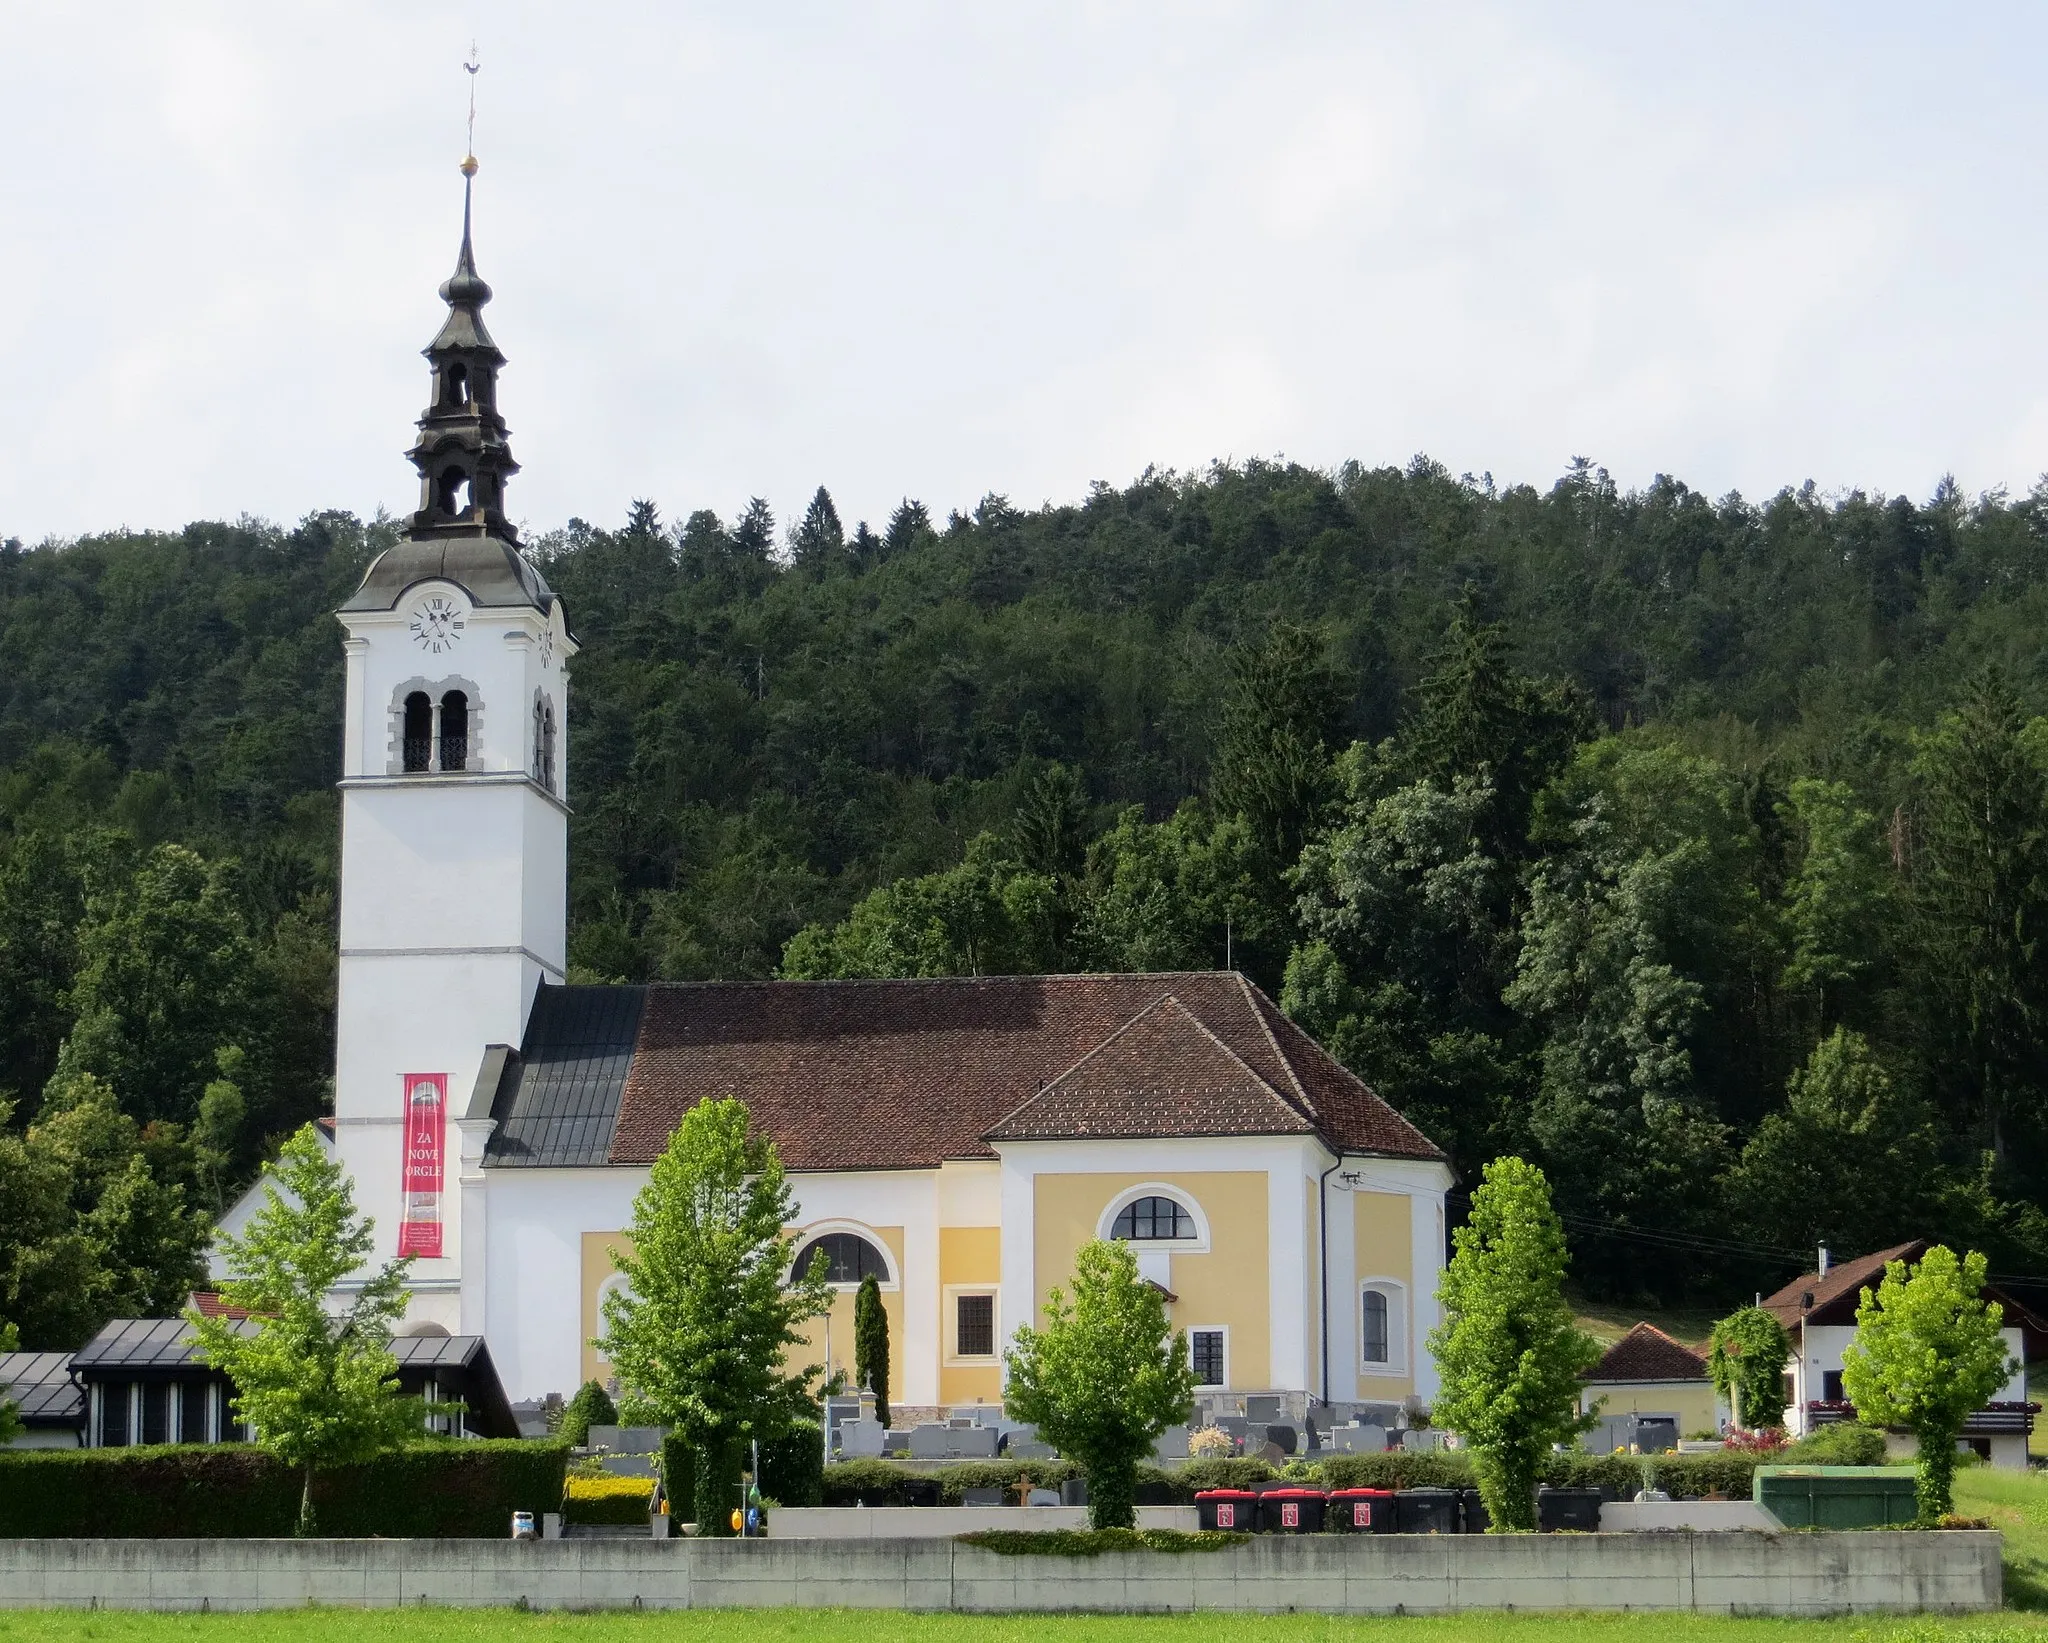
(1818, 1310)
(957, 1138)
(1647, 1376)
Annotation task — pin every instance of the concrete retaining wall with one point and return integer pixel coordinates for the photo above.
(1363, 1574)
(943, 1522)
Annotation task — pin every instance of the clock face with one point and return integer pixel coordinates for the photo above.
(437, 624)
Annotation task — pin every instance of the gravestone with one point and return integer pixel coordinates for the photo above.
(860, 1439)
(975, 1442)
(1172, 1444)
(929, 1442)
(1261, 1411)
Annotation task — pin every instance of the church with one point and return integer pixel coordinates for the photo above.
(957, 1138)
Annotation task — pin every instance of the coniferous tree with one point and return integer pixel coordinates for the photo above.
(909, 525)
(871, 1345)
(818, 543)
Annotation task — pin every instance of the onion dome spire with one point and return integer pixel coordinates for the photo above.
(462, 452)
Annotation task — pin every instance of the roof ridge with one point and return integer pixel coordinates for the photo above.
(1051, 1083)
(1309, 1110)
(1263, 1082)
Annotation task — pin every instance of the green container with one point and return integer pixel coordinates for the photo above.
(1836, 1497)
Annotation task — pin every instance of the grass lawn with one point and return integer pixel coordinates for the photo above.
(2017, 1504)
(788, 1626)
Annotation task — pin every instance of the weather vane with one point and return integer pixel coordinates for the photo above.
(469, 148)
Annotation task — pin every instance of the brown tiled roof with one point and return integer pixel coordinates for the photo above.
(1835, 1297)
(1160, 1073)
(907, 1074)
(1646, 1353)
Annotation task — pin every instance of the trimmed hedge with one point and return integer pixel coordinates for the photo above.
(428, 1491)
(608, 1500)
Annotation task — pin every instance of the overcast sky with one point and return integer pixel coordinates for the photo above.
(946, 249)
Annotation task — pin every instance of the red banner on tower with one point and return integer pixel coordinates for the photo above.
(426, 1106)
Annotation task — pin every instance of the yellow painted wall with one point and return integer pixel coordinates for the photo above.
(813, 1348)
(967, 1255)
(1382, 1247)
(1227, 1286)
(1691, 1401)
(598, 1266)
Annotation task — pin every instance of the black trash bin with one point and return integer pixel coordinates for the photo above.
(1473, 1518)
(1577, 1509)
(921, 1492)
(1291, 1511)
(1426, 1512)
(1227, 1508)
(1360, 1511)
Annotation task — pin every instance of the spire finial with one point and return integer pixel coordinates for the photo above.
(470, 67)
(466, 286)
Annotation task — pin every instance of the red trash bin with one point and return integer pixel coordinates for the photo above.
(1291, 1511)
(1361, 1511)
(1227, 1508)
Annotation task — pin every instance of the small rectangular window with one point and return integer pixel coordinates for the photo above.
(1205, 1356)
(976, 1335)
(114, 1414)
(1375, 1326)
(156, 1412)
(1831, 1385)
(192, 1401)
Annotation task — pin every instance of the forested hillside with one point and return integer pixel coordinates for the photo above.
(1697, 849)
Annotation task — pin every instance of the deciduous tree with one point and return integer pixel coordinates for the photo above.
(1103, 1377)
(704, 1324)
(312, 1365)
(1508, 1351)
(1927, 1354)
(1746, 1355)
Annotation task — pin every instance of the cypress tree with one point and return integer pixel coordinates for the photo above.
(871, 1345)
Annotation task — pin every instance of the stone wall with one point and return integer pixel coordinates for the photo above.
(1789, 1574)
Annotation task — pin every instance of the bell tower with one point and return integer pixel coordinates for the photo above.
(454, 822)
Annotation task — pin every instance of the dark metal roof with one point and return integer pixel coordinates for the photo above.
(558, 1103)
(490, 571)
(144, 1343)
(40, 1384)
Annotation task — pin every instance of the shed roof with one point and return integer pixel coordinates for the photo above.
(40, 1384)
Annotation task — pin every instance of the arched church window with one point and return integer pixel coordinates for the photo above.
(547, 746)
(454, 731)
(850, 1256)
(453, 492)
(419, 731)
(1156, 1218)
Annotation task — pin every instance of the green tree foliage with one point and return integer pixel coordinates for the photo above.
(1982, 905)
(818, 543)
(1927, 1354)
(319, 1389)
(1508, 1352)
(592, 1406)
(1746, 1355)
(1409, 944)
(1807, 1175)
(1102, 1377)
(871, 1345)
(703, 1326)
(758, 749)
(11, 1426)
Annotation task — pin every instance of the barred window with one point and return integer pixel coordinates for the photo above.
(1375, 1326)
(1205, 1356)
(975, 1333)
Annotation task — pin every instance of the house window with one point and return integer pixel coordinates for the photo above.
(192, 1402)
(1383, 1327)
(1206, 1357)
(1831, 1385)
(974, 1333)
(156, 1411)
(419, 731)
(114, 1414)
(850, 1256)
(1146, 1220)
